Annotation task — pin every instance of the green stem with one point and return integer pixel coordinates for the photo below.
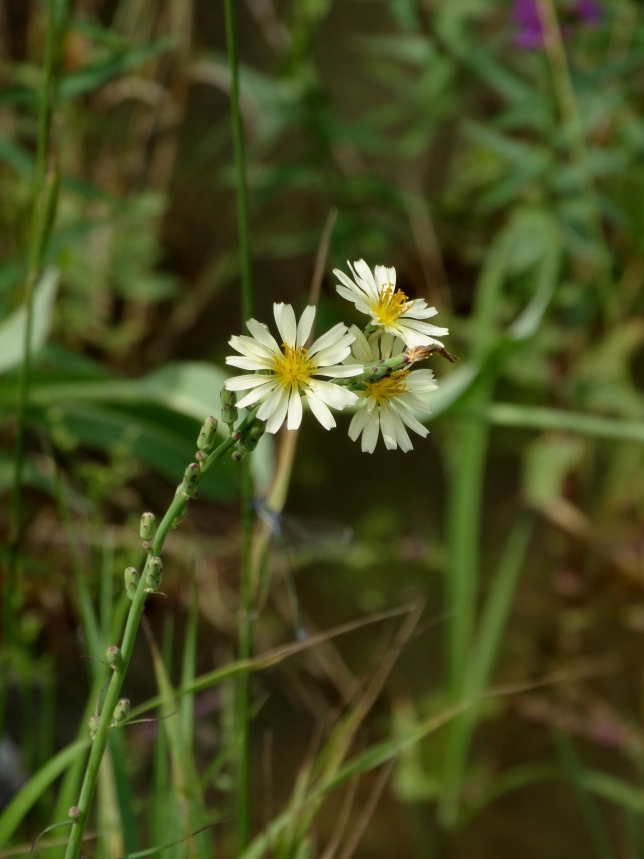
(99, 744)
(245, 652)
(240, 168)
(45, 196)
(245, 597)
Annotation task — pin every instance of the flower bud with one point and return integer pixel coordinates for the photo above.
(75, 814)
(153, 575)
(190, 481)
(114, 657)
(252, 436)
(147, 527)
(93, 725)
(237, 455)
(229, 413)
(121, 711)
(131, 582)
(207, 434)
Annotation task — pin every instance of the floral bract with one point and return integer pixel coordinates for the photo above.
(389, 308)
(283, 374)
(386, 404)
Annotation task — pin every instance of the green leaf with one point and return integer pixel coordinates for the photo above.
(12, 330)
(94, 76)
(184, 774)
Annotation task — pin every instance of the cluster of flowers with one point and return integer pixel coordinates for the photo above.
(369, 368)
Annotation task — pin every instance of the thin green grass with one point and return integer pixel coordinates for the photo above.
(245, 587)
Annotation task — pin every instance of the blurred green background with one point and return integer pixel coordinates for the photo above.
(493, 152)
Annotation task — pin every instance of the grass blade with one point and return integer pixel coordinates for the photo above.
(590, 810)
(184, 774)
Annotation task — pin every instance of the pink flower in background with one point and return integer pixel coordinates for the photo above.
(590, 11)
(528, 34)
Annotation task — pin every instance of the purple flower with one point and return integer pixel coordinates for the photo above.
(590, 11)
(528, 34)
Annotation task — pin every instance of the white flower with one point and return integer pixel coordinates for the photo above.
(389, 307)
(289, 371)
(385, 404)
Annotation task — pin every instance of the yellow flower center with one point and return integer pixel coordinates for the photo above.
(293, 367)
(389, 387)
(391, 305)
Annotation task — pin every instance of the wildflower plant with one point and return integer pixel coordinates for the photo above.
(368, 369)
(373, 375)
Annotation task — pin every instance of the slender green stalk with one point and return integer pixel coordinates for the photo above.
(99, 744)
(481, 663)
(245, 596)
(45, 192)
(466, 482)
(240, 168)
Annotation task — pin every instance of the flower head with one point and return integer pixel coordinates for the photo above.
(389, 308)
(590, 11)
(385, 405)
(529, 33)
(283, 373)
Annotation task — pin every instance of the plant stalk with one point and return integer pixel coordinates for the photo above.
(99, 744)
(45, 193)
(245, 594)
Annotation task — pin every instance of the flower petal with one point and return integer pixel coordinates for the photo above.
(350, 284)
(305, 325)
(294, 409)
(270, 403)
(286, 324)
(330, 338)
(250, 347)
(370, 434)
(242, 383)
(411, 422)
(279, 414)
(353, 295)
(410, 399)
(319, 409)
(402, 436)
(260, 332)
(332, 395)
(424, 327)
(360, 346)
(256, 395)
(363, 272)
(333, 355)
(387, 427)
(249, 363)
(358, 423)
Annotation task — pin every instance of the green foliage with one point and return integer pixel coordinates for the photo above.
(506, 187)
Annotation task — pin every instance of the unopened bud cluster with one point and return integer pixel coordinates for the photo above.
(206, 437)
(248, 438)
(121, 712)
(93, 725)
(229, 413)
(131, 582)
(147, 529)
(153, 575)
(114, 657)
(74, 814)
